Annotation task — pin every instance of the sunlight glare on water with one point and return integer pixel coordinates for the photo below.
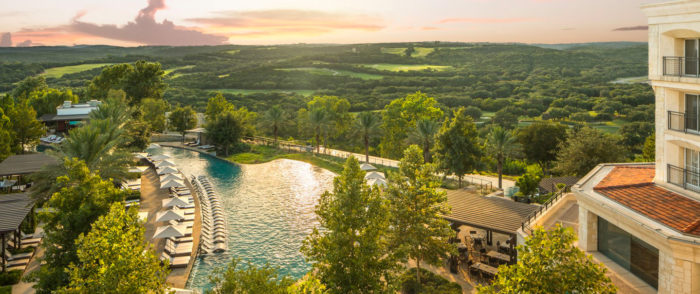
(269, 210)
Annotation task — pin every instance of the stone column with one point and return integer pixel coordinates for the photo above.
(587, 230)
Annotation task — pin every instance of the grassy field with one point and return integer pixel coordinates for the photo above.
(57, 72)
(407, 67)
(232, 52)
(254, 91)
(396, 51)
(262, 154)
(171, 70)
(334, 72)
(610, 127)
(422, 52)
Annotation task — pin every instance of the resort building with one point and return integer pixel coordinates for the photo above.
(69, 115)
(642, 221)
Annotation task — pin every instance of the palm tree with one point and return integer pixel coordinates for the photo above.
(367, 125)
(274, 118)
(501, 144)
(424, 135)
(317, 118)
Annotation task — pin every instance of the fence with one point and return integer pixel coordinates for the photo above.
(539, 212)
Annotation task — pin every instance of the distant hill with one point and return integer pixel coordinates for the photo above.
(609, 45)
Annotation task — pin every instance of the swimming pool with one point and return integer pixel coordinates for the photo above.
(269, 210)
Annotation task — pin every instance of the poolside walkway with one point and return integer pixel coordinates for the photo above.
(151, 202)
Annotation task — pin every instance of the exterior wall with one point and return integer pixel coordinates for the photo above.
(588, 230)
(75, 110)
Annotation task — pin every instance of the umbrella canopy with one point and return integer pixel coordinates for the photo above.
(160, 157)
(170, 214)
(170, 231)
(153, 146)
(367, 167)
(167, 170)
(377, 182)
(172, 184)
(175, 201)
(138, 169)
(165, 163)
(375, 175)
(139, 155)
(169, 177)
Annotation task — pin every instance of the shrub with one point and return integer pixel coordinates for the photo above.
(514, 167)
(431, 283)
(10, 277)
(5, 289)
(133, 195)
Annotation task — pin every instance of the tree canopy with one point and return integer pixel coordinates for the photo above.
(586, 148)
(400, 116)
(183, 119)
(457, 149)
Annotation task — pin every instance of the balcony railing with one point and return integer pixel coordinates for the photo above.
(684, 178)
(679, 66)
(683, 122)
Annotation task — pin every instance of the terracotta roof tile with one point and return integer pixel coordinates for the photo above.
(633, 187)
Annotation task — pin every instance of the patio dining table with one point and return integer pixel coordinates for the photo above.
(498, 255)
(485, 268)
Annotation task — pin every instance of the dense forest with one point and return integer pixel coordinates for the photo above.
(512, 85)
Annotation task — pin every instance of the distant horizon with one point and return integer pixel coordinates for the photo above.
(132, 23)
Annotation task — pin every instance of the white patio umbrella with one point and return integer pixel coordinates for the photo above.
(160, 157)
(377, 182)
(165, 163)
(168, 177)
(367, 167)
(137, 169)
(172, 184)
(153, 146)
(170, 214)
(375, 175)
(140, 155)
(175, 201)
(170, 231)
(167, 170)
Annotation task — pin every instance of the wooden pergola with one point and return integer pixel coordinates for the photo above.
(492, 214)
(14, 208)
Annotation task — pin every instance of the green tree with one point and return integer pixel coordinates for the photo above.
(474, 112)
(550, 263)
(5, 138)
(113, 257)
(30, 84)
(45, 101)
(111, 77)
(528, 182)
(541, 141)
(649, 149)
(318, 122)
(457, 149)
(350, 254)
(501, 144)
(154, 113)
(399, 116)
(26, 129)
(183, 119)
(585, 149)
(424, 135)
(224, 131)
(367, 126)
(248, 280)
(217, 105)
(82, 197)
(144, 81)
(274, 118)
(416, 206)
(337, 115)
(505, 119)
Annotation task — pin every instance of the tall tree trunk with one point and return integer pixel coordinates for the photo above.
(418, 285)
(459, 177)
(426, 152)
(366, 148)
(500, 172)
(318, 143)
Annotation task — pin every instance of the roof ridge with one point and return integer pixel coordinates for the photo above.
(624, 186)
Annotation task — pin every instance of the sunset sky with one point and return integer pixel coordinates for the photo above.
(208, 22)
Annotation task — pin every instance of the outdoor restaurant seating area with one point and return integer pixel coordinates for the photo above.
(480, 256)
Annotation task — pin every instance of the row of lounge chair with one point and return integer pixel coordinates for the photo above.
(20, 261)
(213, 237)
(52, 139)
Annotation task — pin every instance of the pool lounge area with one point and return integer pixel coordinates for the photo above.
(268, 210)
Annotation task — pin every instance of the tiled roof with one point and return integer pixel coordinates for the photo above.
(633, 187)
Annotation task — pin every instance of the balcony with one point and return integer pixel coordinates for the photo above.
(683, 122)
(678, 66)
(684, 178)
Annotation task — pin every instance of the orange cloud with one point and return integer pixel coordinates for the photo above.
(484, 20)
(279, 22)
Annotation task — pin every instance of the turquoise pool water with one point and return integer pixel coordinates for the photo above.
(269, 207)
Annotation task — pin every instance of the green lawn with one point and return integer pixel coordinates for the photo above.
(407, 67)
(334, 72)
(171, 70)
(397, 51)
(422, 51)
(262, 154)
(255, 91)
(58, 72)
(232, 52)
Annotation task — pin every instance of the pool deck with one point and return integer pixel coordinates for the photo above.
(151, 202)
(183, 146)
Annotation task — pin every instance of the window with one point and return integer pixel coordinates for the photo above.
(692, 169)
(633, 254)
(691, 57)
(692, 108)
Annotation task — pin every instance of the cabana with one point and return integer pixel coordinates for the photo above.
(199, 132)
(165, 163)
(175, 201)
(170, 231)
(169, 177)
(167, 170)
(170, 214)
(14, 208)
(367, 167)
(138, 169)
(377, 182)
(375, 175)
(492, 214)
(159, 157)
(172, 184)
